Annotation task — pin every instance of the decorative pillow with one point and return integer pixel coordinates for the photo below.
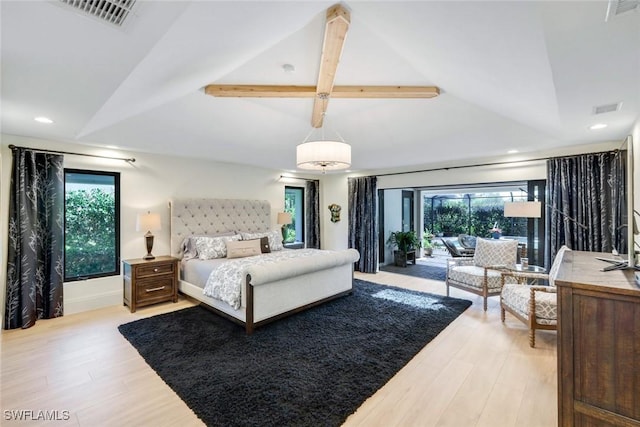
(243, 248)
(264, 245)
(213, 247)
(188, 247)
(275, 238)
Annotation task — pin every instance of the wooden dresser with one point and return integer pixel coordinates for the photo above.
(598, 344)
(150, 281)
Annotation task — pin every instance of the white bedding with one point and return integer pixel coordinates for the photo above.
(226, 280)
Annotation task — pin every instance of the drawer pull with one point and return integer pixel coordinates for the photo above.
(155, 270)
(155, 289)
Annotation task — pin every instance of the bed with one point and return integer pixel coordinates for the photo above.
(271, 289)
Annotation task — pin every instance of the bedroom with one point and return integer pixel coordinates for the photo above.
(157, 175)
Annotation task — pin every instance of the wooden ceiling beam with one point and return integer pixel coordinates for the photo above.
(260, 91)
(335, 33)
(274, 91)
(385, 92)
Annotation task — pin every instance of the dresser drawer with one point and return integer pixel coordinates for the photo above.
(162, 287)
(153, 270)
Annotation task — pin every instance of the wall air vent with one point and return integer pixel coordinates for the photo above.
(618, 7)
(607, 108)
(113, 12)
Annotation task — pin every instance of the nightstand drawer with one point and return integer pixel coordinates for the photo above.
(154, 288)
(153, 270)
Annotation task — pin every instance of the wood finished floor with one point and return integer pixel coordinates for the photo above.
(477, 372)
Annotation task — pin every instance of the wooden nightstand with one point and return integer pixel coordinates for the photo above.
(150, 281)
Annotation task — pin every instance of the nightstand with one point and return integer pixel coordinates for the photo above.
(150, 281)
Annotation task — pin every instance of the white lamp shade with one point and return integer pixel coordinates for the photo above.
(284, 218)
(522, 209)
(148, 222)
(323, 155)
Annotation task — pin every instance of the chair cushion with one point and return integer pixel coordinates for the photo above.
(517, 298)
(492, 252)
(472, 276)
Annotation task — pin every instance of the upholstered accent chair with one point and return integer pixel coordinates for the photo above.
(533, 304)
(481, 274)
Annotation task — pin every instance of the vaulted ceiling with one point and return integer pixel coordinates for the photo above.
(512, 76)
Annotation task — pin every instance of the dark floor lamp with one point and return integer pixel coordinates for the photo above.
(150, 222)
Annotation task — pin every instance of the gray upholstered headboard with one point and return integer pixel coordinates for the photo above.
(210, 216)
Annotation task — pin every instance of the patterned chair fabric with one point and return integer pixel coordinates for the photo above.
(536, 306)
(481, 274)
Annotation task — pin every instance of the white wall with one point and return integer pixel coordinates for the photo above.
(392, 219)
(148, 184)
(334, 189)
(513, 169)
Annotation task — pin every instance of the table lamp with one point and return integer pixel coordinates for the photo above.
(150, 222)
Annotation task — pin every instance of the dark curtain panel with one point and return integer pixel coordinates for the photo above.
(587, 203)
(363, 222)
(312, 214)
(36, 239)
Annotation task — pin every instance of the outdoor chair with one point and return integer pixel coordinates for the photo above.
(535, 305)
(481, 274)
(456, 251)
(467, 241)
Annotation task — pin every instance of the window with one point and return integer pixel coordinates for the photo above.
(91, 224)
(294, 204)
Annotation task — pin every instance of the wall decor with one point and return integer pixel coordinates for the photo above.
(335, 212)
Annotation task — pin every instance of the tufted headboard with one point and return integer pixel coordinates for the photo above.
(210, 216)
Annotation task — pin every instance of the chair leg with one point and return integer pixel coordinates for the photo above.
(502, 313)
(532, 337)
(447, 289)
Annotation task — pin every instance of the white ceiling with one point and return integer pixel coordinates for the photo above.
(513, 75)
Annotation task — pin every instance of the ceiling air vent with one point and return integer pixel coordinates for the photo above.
(113, 12)
(607, 108)
(618, 7)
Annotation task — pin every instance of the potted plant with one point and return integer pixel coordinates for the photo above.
(427, 244)
(406, 242)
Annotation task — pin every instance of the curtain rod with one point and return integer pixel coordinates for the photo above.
(130, 160)
(297, 177)
(506, 162)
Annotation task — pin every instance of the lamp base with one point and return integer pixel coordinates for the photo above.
(149, 241)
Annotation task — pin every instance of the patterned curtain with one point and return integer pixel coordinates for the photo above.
(312, 214)
(587, 203)
(36, 239)
(363, 222)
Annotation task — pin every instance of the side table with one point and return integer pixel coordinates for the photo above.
(147, 282)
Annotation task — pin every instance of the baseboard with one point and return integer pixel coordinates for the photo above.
(92, 302)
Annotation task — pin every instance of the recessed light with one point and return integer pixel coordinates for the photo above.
(598, 126)
(288, 68)
(42, 119)
(512, 151)
(113, 147)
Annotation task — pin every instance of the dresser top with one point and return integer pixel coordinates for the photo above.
(583, 270)
(161, 258)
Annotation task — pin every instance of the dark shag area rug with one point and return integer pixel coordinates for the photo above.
(314, 368)
(418, 270)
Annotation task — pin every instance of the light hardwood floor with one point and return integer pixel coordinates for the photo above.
(477, 372)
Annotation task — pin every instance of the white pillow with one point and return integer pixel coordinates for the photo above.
(243, 248)
(274, 236)
(188, 247)
(213, 247)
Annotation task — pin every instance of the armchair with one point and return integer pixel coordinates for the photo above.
(536, 306)
(480, 275)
